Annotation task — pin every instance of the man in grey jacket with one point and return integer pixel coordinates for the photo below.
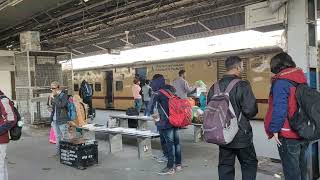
(182, 87)
(59, 114)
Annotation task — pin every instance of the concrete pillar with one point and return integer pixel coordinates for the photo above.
(301, 31)
(197, 132)
(142, 124)
(144, 148)
(302, 46)
(115, 143)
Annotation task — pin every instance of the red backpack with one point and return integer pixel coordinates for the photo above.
(180, 110)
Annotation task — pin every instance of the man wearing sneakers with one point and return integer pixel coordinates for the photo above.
(170, 133)
(244, 102)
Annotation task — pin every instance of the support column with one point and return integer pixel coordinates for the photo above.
(302, 46)
(115, 143)
(144, 148)
(197, 132)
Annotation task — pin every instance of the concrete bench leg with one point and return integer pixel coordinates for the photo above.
(197, 134)
(91, 135)
(115, 143)
(142, 125)
(144, 148)
(123, 123)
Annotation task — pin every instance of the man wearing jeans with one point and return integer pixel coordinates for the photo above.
(59, 115)
(170, 133)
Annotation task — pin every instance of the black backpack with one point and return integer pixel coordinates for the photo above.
(86, 90)
(16, 130)
(306, 120)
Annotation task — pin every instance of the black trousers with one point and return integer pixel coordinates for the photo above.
(247, 158)
(88, 101)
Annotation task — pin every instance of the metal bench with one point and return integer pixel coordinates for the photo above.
(115, 138)
(122, 120)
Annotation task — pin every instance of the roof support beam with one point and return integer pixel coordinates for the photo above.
(152, 36)
(77, 51)
(126, 42)
(204, 26)
(99, 47)
(167, 33)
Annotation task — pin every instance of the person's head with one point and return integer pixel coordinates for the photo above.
(182, 73)
(55, 88)
(136, 81)
(234, 65)
(280, 62)
(157, 82)
(147, 82)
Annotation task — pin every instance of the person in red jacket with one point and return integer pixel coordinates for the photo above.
(282, 106)
(6, 114)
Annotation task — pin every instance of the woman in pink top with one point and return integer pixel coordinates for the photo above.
(136, 94)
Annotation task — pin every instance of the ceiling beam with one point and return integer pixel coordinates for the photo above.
(152, 36)
(204, 26)
(126, 42)
(95, 45)
(167, 33)
(77, 51)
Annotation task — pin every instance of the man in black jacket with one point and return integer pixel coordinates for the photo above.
(243, 101)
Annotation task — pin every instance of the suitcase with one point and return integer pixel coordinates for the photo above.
(132, 112)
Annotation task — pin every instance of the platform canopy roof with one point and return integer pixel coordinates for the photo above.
(87, 26)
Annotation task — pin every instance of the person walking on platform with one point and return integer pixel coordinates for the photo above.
(170, 133)
(182, 86)
(136, 94)
(244, 104)
(147, 92)
(59, 114)
(282, 106)
(86, 93)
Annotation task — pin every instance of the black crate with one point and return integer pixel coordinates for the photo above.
(79, 153)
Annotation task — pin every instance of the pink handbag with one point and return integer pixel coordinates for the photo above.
(52, 136)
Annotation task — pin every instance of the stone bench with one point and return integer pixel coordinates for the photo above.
(115, 138)
(122, 120)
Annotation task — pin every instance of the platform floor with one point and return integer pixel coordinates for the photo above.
(30, 159)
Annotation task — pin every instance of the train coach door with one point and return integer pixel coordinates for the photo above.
(109, 83)
(141, 73)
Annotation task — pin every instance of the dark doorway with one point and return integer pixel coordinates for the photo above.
(109, 97)
(141, 73)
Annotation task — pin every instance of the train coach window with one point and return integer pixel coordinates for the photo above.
(97, 86)
(119, 85)
(76, 87)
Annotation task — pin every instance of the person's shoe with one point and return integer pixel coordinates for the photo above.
(179, 168)
(162, 159)
(167, 171)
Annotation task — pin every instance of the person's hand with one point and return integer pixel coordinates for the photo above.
(155, 116)
(276, 138)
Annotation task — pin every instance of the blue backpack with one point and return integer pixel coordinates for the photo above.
(72, 111)
(71, 108)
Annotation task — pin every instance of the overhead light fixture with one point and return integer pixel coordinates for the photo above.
(86, 0)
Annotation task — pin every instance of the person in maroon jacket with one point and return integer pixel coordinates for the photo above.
(6, 114)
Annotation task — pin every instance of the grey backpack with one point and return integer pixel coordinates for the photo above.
(220, 123)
